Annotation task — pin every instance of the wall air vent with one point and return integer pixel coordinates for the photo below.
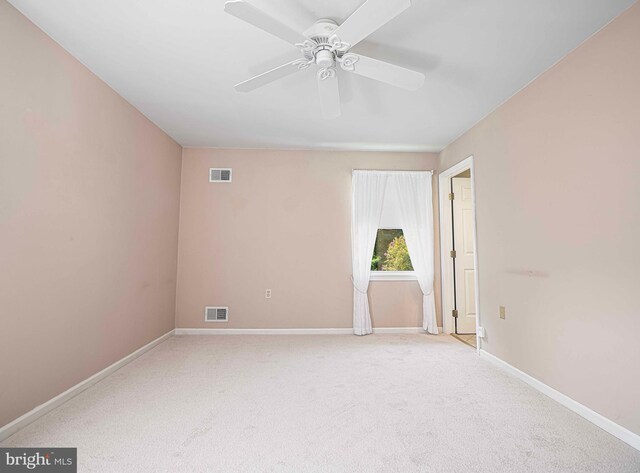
(220, 175)
(216, 314)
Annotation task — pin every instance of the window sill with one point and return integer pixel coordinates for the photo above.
(393, 276)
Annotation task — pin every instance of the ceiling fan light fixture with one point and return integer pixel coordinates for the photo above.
(325, 58)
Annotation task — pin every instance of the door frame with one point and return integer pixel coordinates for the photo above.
(446, 245)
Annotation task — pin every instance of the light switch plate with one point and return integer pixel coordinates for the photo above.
(503, 312)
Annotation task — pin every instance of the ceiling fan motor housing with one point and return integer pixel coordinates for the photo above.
(321, 28)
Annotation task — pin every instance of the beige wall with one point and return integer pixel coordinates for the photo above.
(284, 223)
(558, 209)
(89, 193)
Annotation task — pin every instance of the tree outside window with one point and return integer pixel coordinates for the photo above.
(390, 252)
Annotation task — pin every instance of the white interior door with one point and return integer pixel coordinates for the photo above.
(463, 219)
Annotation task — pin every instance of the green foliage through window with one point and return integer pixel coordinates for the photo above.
(390, 252)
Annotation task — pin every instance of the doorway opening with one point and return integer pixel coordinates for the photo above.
(459, 258)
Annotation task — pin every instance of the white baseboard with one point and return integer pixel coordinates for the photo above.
(402, 330)
(264, 331)
(290, 331)
(601, 421)
(24, 420)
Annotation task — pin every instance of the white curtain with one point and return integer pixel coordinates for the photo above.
(416, 212)
(368, 196)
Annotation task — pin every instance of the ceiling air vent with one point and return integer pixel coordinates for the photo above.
(220, 175)
(216, 314)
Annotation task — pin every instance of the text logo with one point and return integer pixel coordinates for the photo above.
(45, 460)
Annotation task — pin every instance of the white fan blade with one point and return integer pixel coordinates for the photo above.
(329, 96)
(386, 72)
(268, 77)
(247, 12)
(371, 15)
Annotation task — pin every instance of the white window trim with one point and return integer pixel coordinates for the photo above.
(393, 276)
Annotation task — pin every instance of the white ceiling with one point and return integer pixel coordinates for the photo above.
(177, 62)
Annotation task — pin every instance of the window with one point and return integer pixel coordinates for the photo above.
(390, 259)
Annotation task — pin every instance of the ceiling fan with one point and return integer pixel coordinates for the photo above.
(326, 45)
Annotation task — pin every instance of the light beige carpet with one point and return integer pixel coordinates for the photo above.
(381, 403)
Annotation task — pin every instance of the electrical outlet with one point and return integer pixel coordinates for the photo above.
(267, 294)
(503, 312)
